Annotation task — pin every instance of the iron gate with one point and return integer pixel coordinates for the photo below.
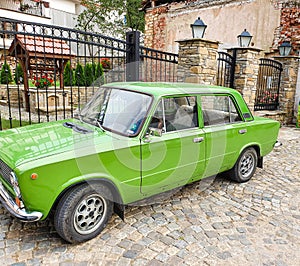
(268, 85)
(226, 69)
(49, 72)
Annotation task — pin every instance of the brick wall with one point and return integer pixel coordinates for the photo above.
(289, 29)
(155, 28)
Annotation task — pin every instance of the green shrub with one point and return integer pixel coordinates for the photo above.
(79, 75)
(88, 74)
(5, 75)
(68, 75)
(19, 75)
(99, 75)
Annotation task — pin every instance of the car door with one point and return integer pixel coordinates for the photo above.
(173, 153)
(224, 132)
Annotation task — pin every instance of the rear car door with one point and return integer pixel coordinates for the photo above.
(225, 132)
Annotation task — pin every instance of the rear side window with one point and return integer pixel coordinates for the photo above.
(217, 109)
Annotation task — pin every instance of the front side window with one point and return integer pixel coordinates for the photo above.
(218, 109)
(117, 110)
(175, 113)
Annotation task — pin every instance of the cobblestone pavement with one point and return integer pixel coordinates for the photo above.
(212, 222)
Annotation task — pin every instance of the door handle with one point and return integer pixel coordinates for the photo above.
(242, 131)
(198, 140)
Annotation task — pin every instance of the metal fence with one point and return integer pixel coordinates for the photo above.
(226, 69)
(158, 66)
(49, 72)
(268, 85)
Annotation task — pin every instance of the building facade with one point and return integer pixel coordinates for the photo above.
(270, 22)
(55, 12)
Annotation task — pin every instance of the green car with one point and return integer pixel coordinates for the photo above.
(129, 142)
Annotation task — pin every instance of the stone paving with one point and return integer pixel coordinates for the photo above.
(212, 222)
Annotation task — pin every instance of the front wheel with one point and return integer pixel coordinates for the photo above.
(245, 166)
(83, 212)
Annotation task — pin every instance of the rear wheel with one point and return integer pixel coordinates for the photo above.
(245, 166)
(83, 212)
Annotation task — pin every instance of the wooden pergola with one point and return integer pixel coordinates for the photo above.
(40, 55)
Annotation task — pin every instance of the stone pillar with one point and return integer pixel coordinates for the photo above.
(197, 61)
(288, 86)
(246, 72)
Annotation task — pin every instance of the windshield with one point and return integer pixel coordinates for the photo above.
(117, 110)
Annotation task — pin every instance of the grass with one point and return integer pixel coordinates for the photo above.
(15, 123)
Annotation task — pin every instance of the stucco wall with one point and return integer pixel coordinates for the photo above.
(225, 22)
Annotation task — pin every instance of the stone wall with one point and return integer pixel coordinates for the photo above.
(246, 73)
(197, 61)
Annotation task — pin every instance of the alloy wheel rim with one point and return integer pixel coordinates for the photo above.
(89, 214)
(247, 165)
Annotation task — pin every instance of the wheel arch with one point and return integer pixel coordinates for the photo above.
(259, 157)
(119, 208)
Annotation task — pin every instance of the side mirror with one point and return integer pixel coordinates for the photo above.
(157, 132)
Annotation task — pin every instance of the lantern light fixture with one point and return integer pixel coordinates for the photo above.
(285, 48)
(198, 28)
(244, 39)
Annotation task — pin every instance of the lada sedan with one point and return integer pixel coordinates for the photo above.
(129, 142)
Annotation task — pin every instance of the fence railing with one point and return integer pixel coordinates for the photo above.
(226, 69)
(268, 85)
(164, 65)
(49, 72)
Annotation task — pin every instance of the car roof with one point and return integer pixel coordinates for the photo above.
(164, 88)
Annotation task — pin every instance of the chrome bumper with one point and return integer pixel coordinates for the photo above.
(9, 204)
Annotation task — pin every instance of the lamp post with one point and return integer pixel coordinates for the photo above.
(244, 39)
(198, 28)
(285, 48)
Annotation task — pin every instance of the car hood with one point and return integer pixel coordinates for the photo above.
(24, 144)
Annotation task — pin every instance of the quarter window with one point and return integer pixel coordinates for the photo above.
(219, 110)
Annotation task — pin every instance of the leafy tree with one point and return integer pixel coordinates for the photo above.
(88, 74)
(79, 75)
(5, 74)
(111, 16)
(19, 75)
(68, 75)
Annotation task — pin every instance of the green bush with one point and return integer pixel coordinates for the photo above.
(68, 75)
(88, 74)
(5, 75)
(79, 75)
(19, 75)
(99, 76)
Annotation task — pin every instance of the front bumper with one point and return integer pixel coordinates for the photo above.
(9, 204)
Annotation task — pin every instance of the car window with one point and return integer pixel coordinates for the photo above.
(175, 113)
(217, 109)
(117, 110)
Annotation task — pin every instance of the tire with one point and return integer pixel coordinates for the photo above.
(245, 166)
(83, 212)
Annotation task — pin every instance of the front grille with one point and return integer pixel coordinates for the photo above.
(5, 171)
